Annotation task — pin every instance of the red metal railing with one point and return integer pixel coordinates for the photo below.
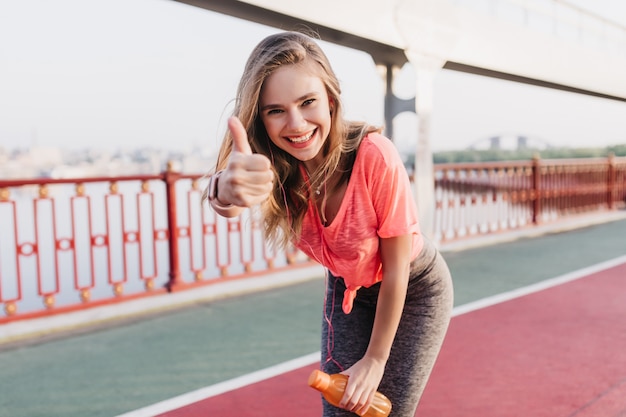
(78, 243)
(68, 244)
(482, 198)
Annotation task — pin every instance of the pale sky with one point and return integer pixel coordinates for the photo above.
(111, 74)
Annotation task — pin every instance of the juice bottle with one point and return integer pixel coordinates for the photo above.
(333, 386)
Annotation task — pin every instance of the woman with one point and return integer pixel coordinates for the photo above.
(338, 191)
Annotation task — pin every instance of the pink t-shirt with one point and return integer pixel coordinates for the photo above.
(378, 203)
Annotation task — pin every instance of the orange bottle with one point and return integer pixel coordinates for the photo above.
(333, 386)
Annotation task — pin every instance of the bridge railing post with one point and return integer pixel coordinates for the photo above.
(171, 177)
(536, 191)
(610, 181)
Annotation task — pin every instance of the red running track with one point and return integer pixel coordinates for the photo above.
(560, 352)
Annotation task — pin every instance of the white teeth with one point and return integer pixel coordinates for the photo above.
(302, 139)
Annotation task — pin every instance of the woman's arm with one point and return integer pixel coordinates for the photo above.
(366, 374)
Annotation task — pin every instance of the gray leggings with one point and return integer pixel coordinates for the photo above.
(420, 334)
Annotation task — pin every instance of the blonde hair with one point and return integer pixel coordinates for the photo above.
(284, 210)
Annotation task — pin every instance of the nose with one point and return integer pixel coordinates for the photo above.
(296, 121)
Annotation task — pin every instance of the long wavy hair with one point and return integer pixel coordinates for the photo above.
(284, 210)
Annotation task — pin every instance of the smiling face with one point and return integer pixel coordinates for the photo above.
(295, 111)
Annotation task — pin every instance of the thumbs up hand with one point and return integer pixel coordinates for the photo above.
(248, 178)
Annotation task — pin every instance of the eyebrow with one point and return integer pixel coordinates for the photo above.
(301, 98)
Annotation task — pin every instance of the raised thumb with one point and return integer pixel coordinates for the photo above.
(239, 135)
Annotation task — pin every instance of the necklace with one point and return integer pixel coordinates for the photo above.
(317, 190)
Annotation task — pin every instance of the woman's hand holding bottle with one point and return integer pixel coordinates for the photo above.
(364, 377)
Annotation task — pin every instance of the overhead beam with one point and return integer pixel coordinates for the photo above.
(380, 52)
(544, 62)
(455, 66)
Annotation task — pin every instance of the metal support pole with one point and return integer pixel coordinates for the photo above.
(171, 177)
(394, 105)
(424, 178)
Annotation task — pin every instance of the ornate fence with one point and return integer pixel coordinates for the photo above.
(78, 243)
(483, 198)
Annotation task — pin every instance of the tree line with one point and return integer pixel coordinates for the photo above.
(486, 155)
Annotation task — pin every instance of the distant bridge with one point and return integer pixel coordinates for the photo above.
(508, 141)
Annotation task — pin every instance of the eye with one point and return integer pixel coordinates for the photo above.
(274, 111)
(307, 102)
